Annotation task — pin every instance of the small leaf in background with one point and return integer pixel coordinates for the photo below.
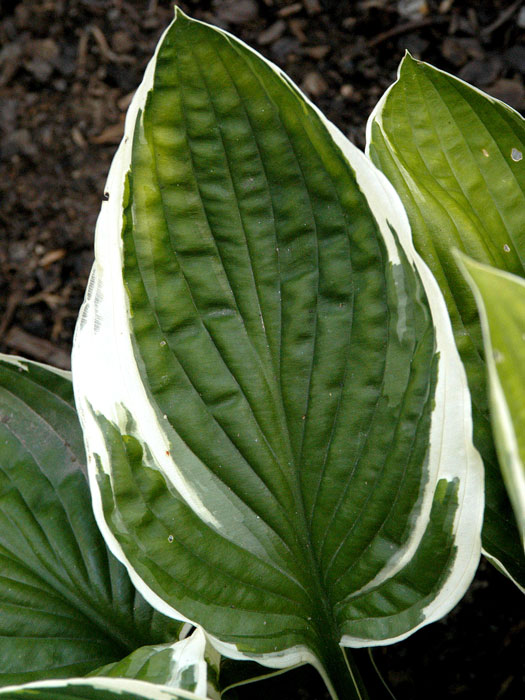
(181, 665)
(454, 155)
(66, 604)
(500, 297)
(277, 420)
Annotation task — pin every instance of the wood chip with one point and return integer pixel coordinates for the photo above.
(13, 301)
(347, 91)
(124, 102)
(290, 10)
(78, 137)
(504, 16)
(444, 6)
(404, 29)
(37, 348)
(297, 27)
(314, 84)
(111, 134)
(412, 9)
(512, 92)
(51, 257)
(317, 52)
(236, 11)
(312, 7)
(274, 31)
(82, 51)
(104, 48)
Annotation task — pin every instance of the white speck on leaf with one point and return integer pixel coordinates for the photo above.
(516, 155)
(506, 248)
(485, 152)
(170, 538)
(498, 357)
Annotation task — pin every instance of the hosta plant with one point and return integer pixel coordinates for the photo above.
(277, 422)
(455, 156)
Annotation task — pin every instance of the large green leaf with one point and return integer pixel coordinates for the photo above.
(96, 689)
(500, 297)
(66, 605)
(455, 157)
(276, 417)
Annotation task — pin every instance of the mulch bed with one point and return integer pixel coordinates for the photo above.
(68, 69)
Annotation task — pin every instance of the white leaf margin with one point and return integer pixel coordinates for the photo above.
(23, 365)
(504, 431)
(103, 357)
(187, 654)
(115, 686)
(376, 118)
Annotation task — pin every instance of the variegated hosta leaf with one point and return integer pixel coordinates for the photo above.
(95, 689)
(184, 665)
(455, 157)
(277, 420)
(500, 297)
(66, 605)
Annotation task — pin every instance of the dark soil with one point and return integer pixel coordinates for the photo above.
(68, 69)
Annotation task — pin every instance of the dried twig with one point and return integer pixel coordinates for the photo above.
(106, 52)
(405, 28)
(39, 348)
(504, 17)
(103, 45)
(13, 301)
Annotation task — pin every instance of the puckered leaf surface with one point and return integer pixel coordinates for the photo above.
(66, 604)
(455, 157)
(262, 366)
(501, 301)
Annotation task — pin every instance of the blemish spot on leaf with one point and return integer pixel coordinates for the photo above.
(498, 357)
(485, 152)
(506, 248)
(162, 343)
(170, 538)
(516, 155)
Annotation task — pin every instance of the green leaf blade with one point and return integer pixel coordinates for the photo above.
(279, 364)
(501, 301)
(453, 155)
(96, 689)
(67, 605)
(189, 664)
